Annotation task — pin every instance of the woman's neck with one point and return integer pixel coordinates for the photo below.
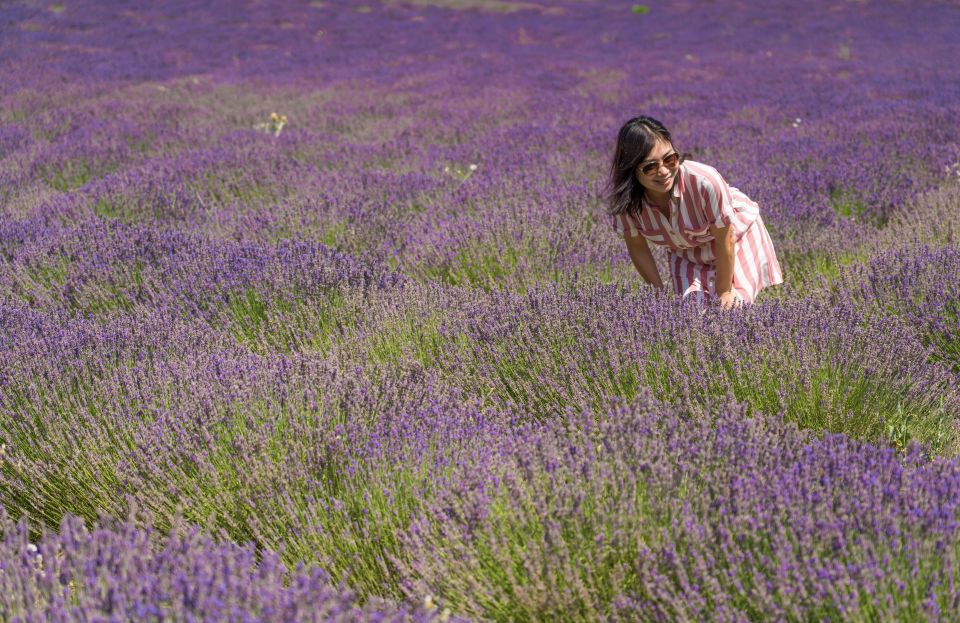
(661, 200)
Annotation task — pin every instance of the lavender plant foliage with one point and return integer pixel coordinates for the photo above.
(641, 512)
(910, 283)
(121, 572)
(287, 451)
(832, 367)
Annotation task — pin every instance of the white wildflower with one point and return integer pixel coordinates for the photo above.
(461, 172)
(37, 556)
(274, 126)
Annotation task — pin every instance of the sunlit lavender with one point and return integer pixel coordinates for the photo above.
(310, 311)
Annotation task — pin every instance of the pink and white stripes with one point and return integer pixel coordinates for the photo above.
(701, 199)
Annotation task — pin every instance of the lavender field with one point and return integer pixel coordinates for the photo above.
(311, 311)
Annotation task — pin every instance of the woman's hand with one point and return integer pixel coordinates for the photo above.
(729, 300)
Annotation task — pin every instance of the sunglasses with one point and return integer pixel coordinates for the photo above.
(670, 161)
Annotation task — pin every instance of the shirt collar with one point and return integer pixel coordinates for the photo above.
(678, 185)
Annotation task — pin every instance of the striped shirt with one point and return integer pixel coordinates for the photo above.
(701, 199)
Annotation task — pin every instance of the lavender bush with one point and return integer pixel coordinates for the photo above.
(644, 513)
(312, 312)
(119, 573)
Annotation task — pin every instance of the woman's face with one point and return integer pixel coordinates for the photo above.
(660, 175)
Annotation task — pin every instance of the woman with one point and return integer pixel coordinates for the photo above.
(716, 242)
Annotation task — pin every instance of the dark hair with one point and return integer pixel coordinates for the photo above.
(635, 140)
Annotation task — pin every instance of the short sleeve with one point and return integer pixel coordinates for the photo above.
(622, 223)
(717, 199)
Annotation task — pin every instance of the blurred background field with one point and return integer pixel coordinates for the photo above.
(311, 311)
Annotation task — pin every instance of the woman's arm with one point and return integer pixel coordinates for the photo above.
(724, 247)
(642, 259)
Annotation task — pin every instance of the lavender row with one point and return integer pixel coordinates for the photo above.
(826, 365)
(104, 268)
(836, 367)
(291, 452)
(642, 512)
(123, 572)
(629, 511)
(913, 284)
